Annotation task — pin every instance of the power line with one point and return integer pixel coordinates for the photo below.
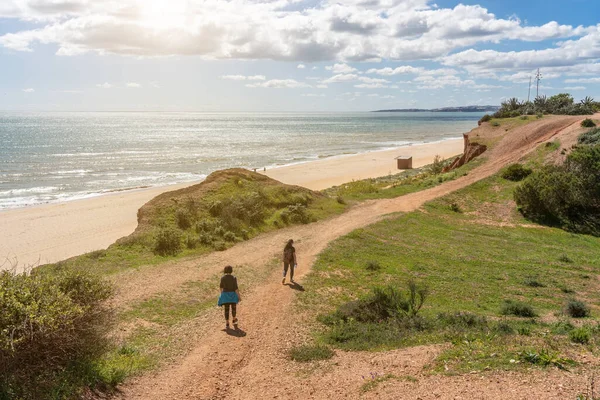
(538, 78)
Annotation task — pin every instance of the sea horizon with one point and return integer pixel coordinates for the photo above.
(53, 157)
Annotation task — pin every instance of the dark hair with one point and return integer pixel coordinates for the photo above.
(289, 243)
(228, 269)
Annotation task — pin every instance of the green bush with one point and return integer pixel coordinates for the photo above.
(296, 213)
(580, 335)
(590, 137)
(229, 236)
(567, 196)
(438, 165)
(495, 123)
(219, 245)
(205, 239)
(168, 242)
(384, 303)
(485, 118)
(48, 324)
(588, 123)
(191, 242)
(517, 308)
(373, 266)
(516, 172)
(308, 353)
(533, 282)
(184, 218)
(577, 309)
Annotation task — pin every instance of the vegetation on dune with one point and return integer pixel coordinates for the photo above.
(400, 184)
(53, 335)
(590, 137)
(588, 123)
(566, 195)
(483, 280)
(228, 207)
(560, 104)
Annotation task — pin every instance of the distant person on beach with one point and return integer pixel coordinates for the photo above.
(289, 260)
(230, 295)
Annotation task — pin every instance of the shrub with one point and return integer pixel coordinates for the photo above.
(590, 137)
(485, 118)
(580, 335)
(524, 117)
(191, 242)
(384, 303)
(495, 123)
(588, 123)
(205, 238)
(516, 172)
(577, 309)
(438, 165)
(517, 308)
(184, 218)
(504, 328)
(219, 245)
(532, 282)
(306, 353)
(544, 358)
(49, 323)
(455, 207)
(373, 266)
(539, 115)
(567, 196)
(565, 258)
(168, 242)
(229, 236)
(296, 213)
(340, 200)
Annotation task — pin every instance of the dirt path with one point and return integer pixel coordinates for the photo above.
(254, 366)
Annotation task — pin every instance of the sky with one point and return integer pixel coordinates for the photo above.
(292, 55)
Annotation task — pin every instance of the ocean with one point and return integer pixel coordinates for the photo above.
(52, 157)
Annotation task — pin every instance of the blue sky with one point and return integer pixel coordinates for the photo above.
(284, 55)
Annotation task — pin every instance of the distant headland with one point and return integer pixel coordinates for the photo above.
(444, 109)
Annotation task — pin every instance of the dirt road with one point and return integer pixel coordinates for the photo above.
(254, 366)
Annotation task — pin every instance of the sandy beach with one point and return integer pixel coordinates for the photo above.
(48, 233)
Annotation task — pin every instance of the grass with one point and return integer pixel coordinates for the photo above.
(232, 206)
(399, 184)
(472, 263)
(307, 353)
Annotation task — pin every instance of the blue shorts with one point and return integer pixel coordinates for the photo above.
(228, 297)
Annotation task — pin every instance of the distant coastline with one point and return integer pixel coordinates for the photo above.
(444, 109)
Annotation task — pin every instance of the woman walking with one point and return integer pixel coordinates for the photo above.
(289, 260)
(230, 295)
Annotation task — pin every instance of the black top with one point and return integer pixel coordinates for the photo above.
(229, 283)
(288, 254)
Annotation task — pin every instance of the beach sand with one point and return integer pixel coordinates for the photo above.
(48, 233)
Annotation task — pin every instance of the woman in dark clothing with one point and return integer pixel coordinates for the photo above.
(230, 295)
(289, 260)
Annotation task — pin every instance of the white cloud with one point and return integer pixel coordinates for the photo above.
(133, 85)
(312, 95)
(370, 86)
(583, 80)
(104, 85)
(29, 90)
(341, 78)
(279, 84)
(244, 77)
(155, 84)
(340, 68)
(355, 30)
(301, 66)
(321, 86)
(314, 68)
(574, 88)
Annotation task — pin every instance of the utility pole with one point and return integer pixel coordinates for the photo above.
(529, 90)
(538, 78)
